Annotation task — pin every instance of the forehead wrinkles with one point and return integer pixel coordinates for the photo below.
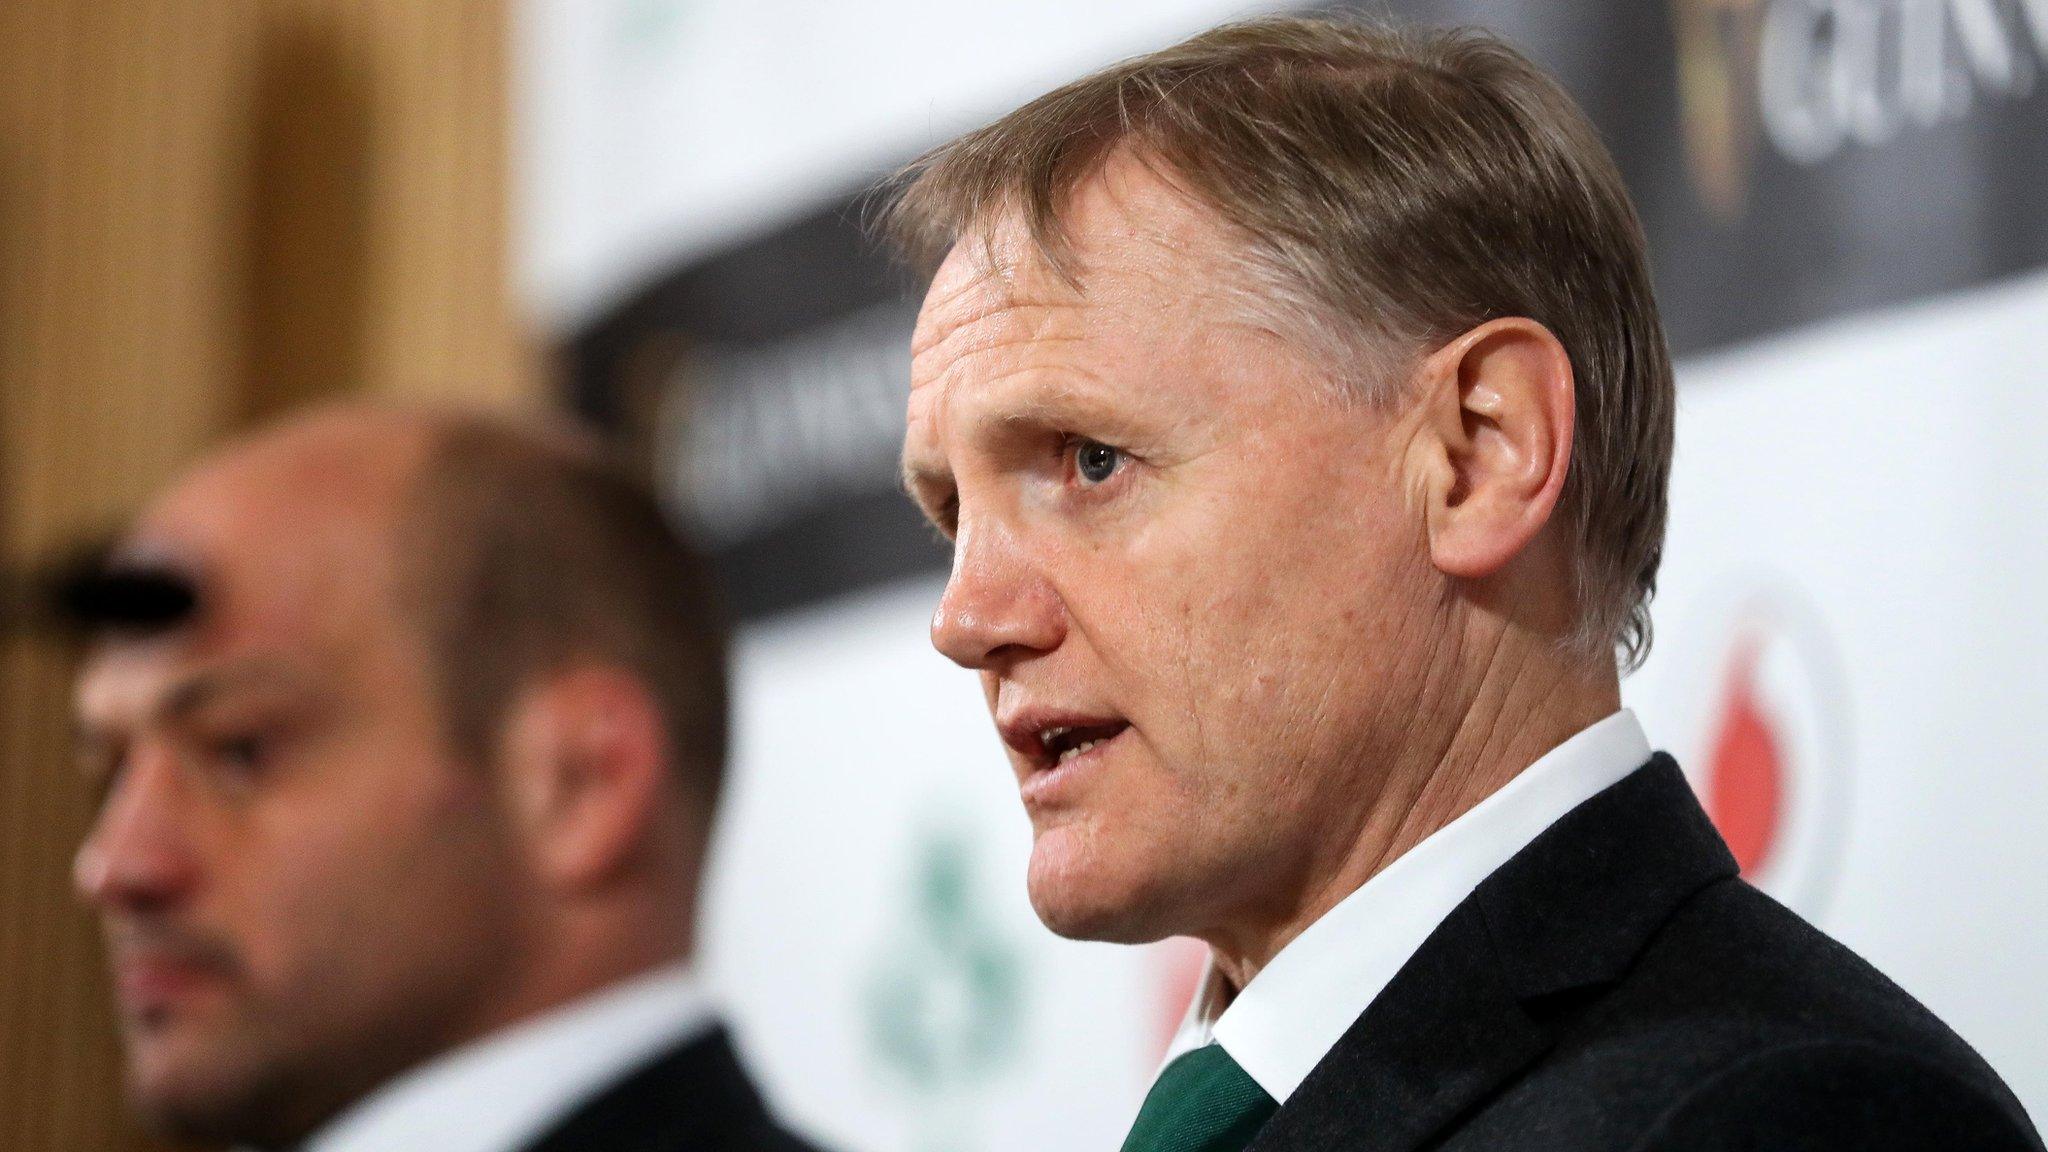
(1138, 244)
(1127, 303)
(1159, 276)
(981, 324)
(1137, 314)
(973, 306)
(999, 344)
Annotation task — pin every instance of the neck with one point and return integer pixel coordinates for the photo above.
(1525, 699)
(593, 950)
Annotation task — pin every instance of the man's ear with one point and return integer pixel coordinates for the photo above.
(1496, 441)
(585, 761)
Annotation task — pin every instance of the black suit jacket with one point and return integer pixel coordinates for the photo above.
(693, 1098)
(1614, 986)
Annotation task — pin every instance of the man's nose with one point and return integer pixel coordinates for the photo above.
(137, 855)
(998, 607)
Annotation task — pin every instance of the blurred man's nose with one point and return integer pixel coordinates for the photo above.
(138, 855)
(998, 607)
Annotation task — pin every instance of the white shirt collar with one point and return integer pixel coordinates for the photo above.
(506, 1089)
(1296, 1009)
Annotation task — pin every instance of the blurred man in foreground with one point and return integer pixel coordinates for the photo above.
(411, 728)
(1297, 405)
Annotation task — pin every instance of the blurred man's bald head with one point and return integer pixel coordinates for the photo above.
(512, 546)
(433, 748)
(295, 520)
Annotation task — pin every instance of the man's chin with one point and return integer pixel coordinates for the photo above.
(187, 1093)
(1085, 900)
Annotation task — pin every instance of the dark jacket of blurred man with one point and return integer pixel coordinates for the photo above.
(1297, 405)
(411, 728)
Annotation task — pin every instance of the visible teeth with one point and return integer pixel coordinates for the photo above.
(1051, 734)
(1077, 749)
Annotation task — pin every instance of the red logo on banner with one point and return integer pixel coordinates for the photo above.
(1757, 713)
(1745, 764)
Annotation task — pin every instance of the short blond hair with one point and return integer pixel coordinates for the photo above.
(1394, 188)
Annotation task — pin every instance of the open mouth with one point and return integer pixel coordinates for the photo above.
(1043, 740)
(1062, 743)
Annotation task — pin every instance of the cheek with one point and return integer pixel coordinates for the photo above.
(1264, 630)
(358, 883)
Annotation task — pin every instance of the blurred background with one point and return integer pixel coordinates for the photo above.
(649, 212)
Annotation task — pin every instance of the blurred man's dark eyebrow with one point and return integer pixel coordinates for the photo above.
(203, 688)
(188, 696)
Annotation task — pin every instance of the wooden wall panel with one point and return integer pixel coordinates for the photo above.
(115, 170)
(375, 120)
(209, 212)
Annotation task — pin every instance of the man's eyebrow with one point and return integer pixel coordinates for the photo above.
(204, 688)
(1071, 404)
(92, 738)
(920, 481)
(916, 471)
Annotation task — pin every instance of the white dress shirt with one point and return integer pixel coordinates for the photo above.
(1296, 1009)
(506, 1089)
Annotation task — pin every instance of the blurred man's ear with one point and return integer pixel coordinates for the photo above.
(1496, 441)
(585, 765)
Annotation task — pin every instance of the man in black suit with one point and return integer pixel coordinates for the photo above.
(411, 727)
(1297, 405)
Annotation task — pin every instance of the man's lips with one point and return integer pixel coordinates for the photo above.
(1047, 739)
(151, 980)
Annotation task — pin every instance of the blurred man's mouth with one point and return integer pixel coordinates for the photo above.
(152, 981)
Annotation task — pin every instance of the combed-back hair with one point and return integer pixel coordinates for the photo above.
(1392, 188)
(526, 551)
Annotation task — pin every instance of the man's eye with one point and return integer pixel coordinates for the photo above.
(1096, 461)
(243, 756)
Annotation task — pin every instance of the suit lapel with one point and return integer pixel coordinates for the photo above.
(1445, 1032)
(1464, 1015)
